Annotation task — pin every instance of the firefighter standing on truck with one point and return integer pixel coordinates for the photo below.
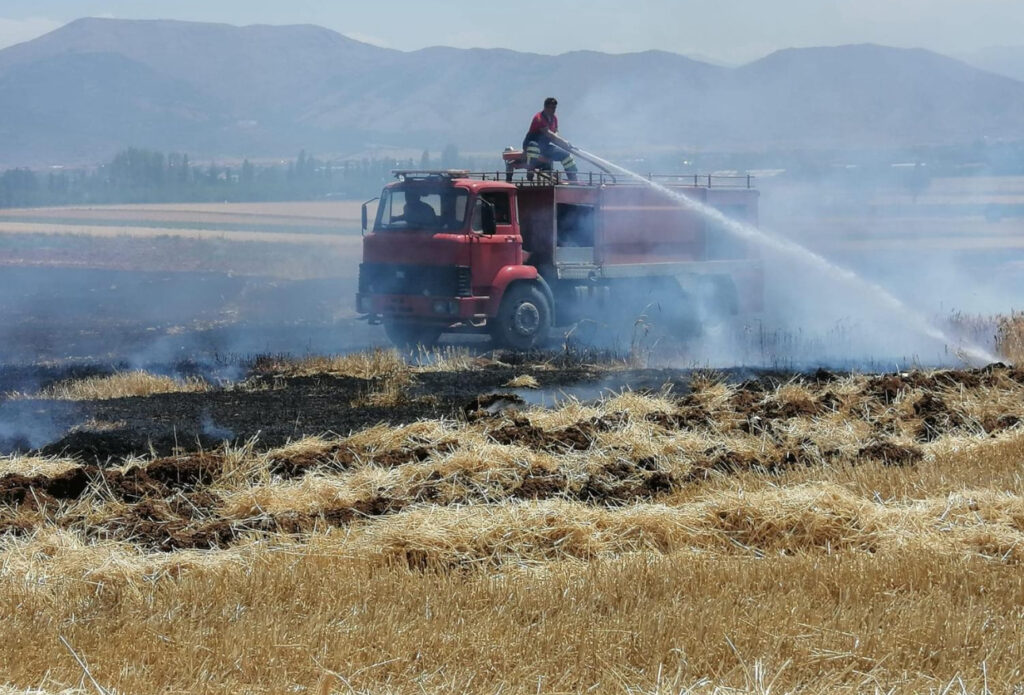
(543, 145)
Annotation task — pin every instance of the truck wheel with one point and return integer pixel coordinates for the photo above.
(524, 319)
(407, 335)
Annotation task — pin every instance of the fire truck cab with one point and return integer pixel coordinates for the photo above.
(450, 251)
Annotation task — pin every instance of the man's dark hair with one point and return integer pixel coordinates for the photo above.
(550, 101)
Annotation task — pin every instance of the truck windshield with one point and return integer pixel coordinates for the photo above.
(422, 208)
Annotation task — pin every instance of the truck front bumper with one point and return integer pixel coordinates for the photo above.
(448, 309)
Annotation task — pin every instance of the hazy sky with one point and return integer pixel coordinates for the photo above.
(728, 30)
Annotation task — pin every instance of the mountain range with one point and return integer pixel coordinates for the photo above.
(80, 93)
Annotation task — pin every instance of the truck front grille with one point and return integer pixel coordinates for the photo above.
(424, 280)
(463, 286)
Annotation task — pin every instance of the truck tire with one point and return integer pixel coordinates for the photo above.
(524, 319)
(408, 335)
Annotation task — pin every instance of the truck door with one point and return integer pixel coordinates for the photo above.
(492, 252)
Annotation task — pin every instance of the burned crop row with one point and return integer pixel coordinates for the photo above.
(629, 447)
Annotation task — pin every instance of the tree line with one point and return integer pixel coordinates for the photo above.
(136, 175)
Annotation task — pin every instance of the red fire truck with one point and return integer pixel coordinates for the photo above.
(451, 251)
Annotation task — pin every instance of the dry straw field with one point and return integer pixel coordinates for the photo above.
(816, 533)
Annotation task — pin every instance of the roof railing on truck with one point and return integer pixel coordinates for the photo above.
(597, 178)
(590, 178)
(430, 174)
(706, 180)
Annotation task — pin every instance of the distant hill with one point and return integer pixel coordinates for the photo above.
(92, 100)
(878, 95)
(94, 86)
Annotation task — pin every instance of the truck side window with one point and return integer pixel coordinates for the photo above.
(502, 211)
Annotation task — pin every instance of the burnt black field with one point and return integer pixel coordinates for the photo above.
(75, 323)
(68, 323)
(64, 323)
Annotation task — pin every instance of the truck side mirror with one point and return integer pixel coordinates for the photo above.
(487, 218)
(365, 218)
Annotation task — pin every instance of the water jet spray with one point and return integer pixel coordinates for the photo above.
(973, 355)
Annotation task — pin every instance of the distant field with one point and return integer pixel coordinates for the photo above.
(968, 189)
(326, 213)
(925, 229)
(972, 224)
(949, 213)
(151, 232)
(293, 240)
(238, 221)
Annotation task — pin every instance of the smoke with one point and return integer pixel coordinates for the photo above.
(60, 322)
(213, 430)
(820, 313)
(144, 320)
(933, 249)
(25, 426)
